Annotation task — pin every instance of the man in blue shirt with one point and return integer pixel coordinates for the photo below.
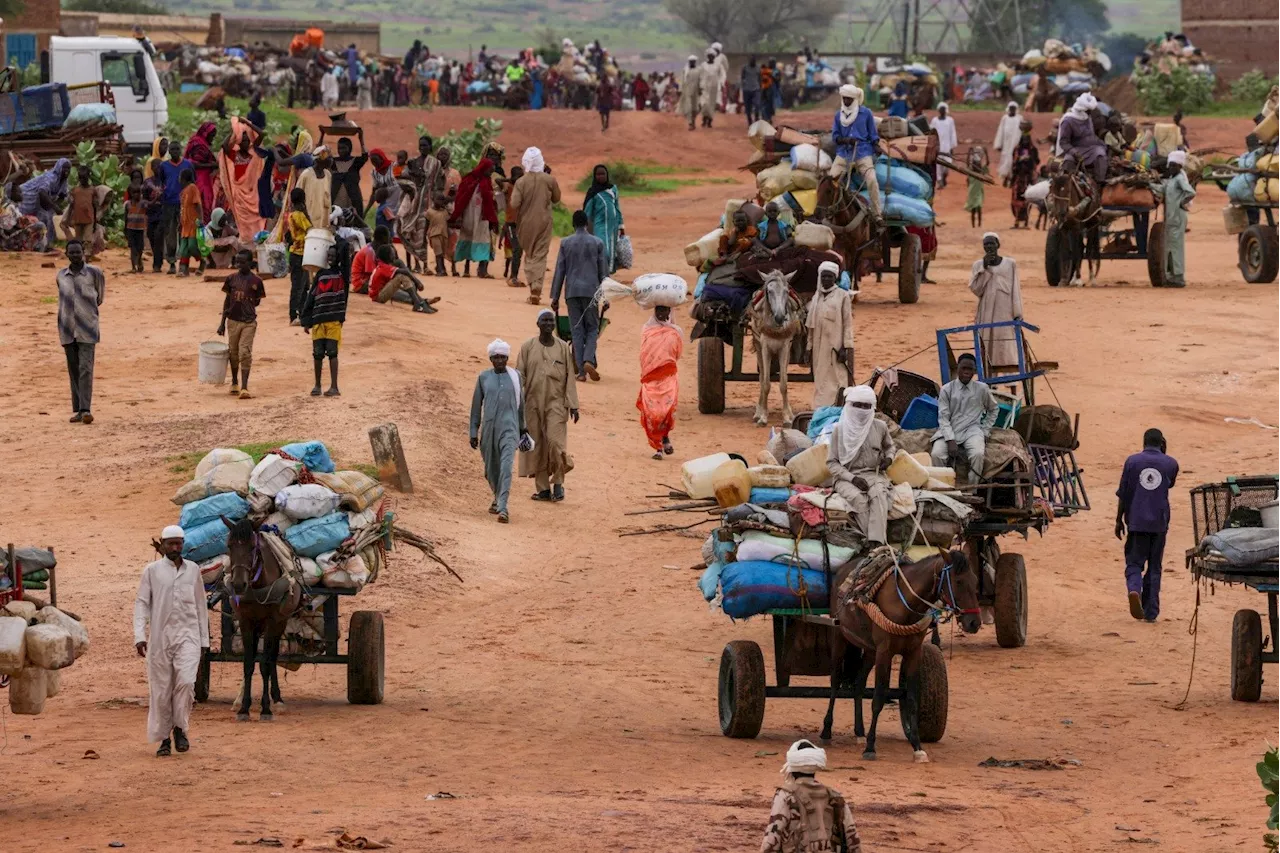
(854, 132)
(580, 267)
(1144, 507)
(170, 211)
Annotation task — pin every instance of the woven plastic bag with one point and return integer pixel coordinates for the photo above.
(624, 253)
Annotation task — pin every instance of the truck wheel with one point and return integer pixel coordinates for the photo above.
(741, 689)
(909, 270)
(365, 664)
(202, 680)
(934, 694)
(1246, 656)
(1052, 249)
(1258, 260)
(1011, 601)
(710, 375)
(1155, 255)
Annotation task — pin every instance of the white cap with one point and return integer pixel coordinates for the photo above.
(1179, 157)
(993, 235)
(173, 531)
(499, 347)
(829, 266)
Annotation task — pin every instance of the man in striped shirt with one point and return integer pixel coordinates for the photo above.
(81, 288)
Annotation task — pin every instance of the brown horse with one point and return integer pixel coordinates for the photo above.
(849, 218)
(264, 596)
(1074, 214)
(895, 621)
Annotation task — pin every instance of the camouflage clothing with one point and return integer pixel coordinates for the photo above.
(809, 817)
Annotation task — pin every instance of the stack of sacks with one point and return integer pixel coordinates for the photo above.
(295, 493)
(35, 645)
(1260, 183)
(36, 564)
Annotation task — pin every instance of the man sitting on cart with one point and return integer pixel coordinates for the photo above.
(853, 130)
(966, 413)
(1078, 144)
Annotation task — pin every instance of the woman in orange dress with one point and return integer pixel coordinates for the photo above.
(661, 344)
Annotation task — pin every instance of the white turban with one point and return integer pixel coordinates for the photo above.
(173, 531)
(804, 757)
(848, 114)
(1013, 104)
(715, 45)
(499, 347)
(855, 423)
(532, 160)
(849, 90)
(943, 106)
(1087, 101)
(321, 151)
(1179, 157)
(545, 312)
(693, 58)
(828, 266)
(993, 235)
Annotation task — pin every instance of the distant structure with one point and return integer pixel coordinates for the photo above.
(1239, 35)
(907, 27)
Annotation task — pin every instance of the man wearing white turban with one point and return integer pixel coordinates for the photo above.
(806, 814)
(710, 87)
(830, 324)
(550, 399)
(691, 91)
(853, 131)
(171, 601)
(945, 126)
(1177, 193)
(535, 193)
(497, 424)
(1078, 143)
(857, 458)
(1008, 135)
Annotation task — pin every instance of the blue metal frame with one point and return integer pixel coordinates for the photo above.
(1018, 326)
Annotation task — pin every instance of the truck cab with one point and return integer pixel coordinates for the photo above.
(141, 106)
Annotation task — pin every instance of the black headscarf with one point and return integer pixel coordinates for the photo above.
(596, 186)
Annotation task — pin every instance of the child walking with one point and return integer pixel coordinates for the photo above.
(243, 291)
(135, 219)
(299, 225)
(509, 241)
(84, 210)
(192, 214)
(323, 312)
(977, 187)
(438, 230)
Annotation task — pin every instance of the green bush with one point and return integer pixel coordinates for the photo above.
(106, 172)
(1269, 774)
(1180, 89)
(1253, 87)
(465, 146)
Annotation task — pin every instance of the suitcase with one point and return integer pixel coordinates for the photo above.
(921, 150)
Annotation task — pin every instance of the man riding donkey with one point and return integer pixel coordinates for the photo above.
(1079, 145)
(853, 130)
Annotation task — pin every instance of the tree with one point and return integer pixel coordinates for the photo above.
(765, 25)
(117, 7)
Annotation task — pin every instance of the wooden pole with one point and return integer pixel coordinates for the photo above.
(388, 456)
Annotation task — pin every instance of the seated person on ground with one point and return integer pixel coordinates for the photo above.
(392, 281)
(966, 413)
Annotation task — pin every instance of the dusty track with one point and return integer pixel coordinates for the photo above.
(566, 693)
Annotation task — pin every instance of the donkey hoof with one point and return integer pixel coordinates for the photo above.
(242, 718)
(920, 757)
(265, 718)
(869, 755)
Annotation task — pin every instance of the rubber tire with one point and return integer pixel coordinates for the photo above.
(1052, 261)
(366, 641)
(1258, 240)
(934, 694)
(711, 375)
(740, 689)
(202, 680)
(1246, 656)
(1011, 601)
(1155, 255)
(909, 270)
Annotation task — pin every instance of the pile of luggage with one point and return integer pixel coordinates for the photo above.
(1072, 68)
(1260, 182)
(36, 643)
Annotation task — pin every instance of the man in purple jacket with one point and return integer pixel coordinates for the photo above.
(1144, 507)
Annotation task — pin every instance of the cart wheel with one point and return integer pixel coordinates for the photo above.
(710, 375)
(934, 694)
(1258, 255)
(1011, 601)
(741, 689)
(202, 680)
(1155, 255)
(365, 673)
(909, 270)
(1246, 656)
(1052, 250)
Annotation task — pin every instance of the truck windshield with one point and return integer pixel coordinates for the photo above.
(120, 70)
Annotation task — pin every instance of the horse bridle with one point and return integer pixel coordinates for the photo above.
(251, 592)
(946, 598)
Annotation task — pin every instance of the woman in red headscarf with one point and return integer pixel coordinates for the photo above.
(200, 153)
(476, 211)
(384, 176)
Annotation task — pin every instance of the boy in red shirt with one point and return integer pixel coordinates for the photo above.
(390, 281)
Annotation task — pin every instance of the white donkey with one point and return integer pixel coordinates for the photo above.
(776, 318)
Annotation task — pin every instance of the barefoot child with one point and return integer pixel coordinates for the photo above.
(135, 219)
(299, 225)
(323, 312)
(977, 188)
(191, 215)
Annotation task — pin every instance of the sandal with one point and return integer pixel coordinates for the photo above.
(513, 283)
(165, 749)
(493, 508)
(245, 395)
(657, 456)
(535, 300)
(667, 447)
(503, 518)
(542, 496)
(333, 392)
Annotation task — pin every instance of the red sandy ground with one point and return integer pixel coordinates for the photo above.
(565, 694)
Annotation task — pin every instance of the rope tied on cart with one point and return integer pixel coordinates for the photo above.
(862, 586)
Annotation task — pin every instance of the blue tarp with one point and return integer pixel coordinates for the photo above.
(313, 454)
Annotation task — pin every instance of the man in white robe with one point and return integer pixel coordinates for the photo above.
(830, 323)
(1008, 134)
(994, 280)
(171, 600)
(945, 125)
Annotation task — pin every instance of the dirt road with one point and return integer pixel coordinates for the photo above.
(565, 693)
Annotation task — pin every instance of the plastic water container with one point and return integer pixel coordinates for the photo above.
(809, 466)
(905, 469)
(315, 255)
(696, 475)
(265, 267)
(732, 483)
(214, 359)
(922, 413)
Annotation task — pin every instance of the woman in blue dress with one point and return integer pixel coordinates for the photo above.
(604, 214)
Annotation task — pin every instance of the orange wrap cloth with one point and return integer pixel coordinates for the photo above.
(660, 347)
(240, 180)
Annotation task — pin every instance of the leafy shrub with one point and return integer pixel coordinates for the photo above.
(1269, 773)
(465, 146)
(106, 172)
(1253, 87)
(1180, 89)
